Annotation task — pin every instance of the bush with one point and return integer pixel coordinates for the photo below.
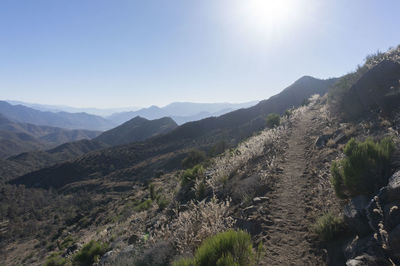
(145, 205)
(194, 157)
(190, 175)
(90, 253)
(227, 248)
(329, 226)
(365, 168)
(55, 260)
(273, 120)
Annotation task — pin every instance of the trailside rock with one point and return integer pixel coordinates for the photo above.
(355, 216)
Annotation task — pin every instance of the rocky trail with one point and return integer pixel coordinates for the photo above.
(286, 217)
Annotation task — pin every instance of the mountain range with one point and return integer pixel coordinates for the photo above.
(166, 151)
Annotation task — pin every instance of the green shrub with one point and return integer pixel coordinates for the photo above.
(90, 253)
(145, 205)
(328, 226)
(194, 157)
(273, 120)
(162, 202)
(227, 248)
(288, 113)
(190, 175)
(55, 260)
(365, 168)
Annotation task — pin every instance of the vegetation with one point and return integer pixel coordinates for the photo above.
(328, 227)
(190, 175)
(365, 168)
(273, 120)
(194, 157)
(55, 260)
(227, 248)
(145, 205)
(90, 253)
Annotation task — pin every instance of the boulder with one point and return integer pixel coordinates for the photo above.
(366, 260)
(392, 215)
(355, 215)
(394, 242)
(363, 246)
(322, 140)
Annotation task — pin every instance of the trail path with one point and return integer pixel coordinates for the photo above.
(286, 224)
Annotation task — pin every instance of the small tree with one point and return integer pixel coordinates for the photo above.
(273, 120)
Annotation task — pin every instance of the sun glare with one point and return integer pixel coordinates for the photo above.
(265, 15)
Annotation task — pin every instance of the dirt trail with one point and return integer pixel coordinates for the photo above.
(286, 224)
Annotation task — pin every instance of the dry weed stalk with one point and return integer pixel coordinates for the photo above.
(199, 221)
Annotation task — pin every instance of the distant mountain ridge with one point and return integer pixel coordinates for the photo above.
(63, 108)
(17, 137)
(181, 112)
(23, 114)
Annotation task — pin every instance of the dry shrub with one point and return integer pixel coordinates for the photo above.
(199, 221)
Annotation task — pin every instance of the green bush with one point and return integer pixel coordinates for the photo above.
(365, 168)
(190, 175)
(329, 226)
(273, 120)
(90, 253)
(55, 260)
(194, 157)
(145, 205)
(162, 202)
(227, 248)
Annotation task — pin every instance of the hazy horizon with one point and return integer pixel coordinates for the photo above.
(101, 54)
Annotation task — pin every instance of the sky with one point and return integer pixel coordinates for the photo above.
(108, 54)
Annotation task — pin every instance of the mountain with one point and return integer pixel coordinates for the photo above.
(63, 108)
(181, 112)
(137, 129)
(66, 120)
(31, 159)
(165, 152)
(17, 137)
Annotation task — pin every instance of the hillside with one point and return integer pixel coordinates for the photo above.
(23, 114)
(137, 129)
(17, 137)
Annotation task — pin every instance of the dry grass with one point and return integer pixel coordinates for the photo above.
(190, 227)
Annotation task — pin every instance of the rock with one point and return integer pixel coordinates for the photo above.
(257, 200)
(367, 260)
(71, 249)
(355, 215)
(394, 242)
(133, 239)
(374, 214)
(106, 257)
(249, 209)
(391, 215)
(363, 246)
(322, 140)
(340, 138)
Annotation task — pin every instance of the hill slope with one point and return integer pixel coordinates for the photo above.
(137, 129)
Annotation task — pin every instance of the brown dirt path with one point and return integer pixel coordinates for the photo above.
(288, 220)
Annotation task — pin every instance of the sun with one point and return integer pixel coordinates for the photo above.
(268, 14)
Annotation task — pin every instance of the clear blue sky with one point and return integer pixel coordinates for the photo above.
(113, 53)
